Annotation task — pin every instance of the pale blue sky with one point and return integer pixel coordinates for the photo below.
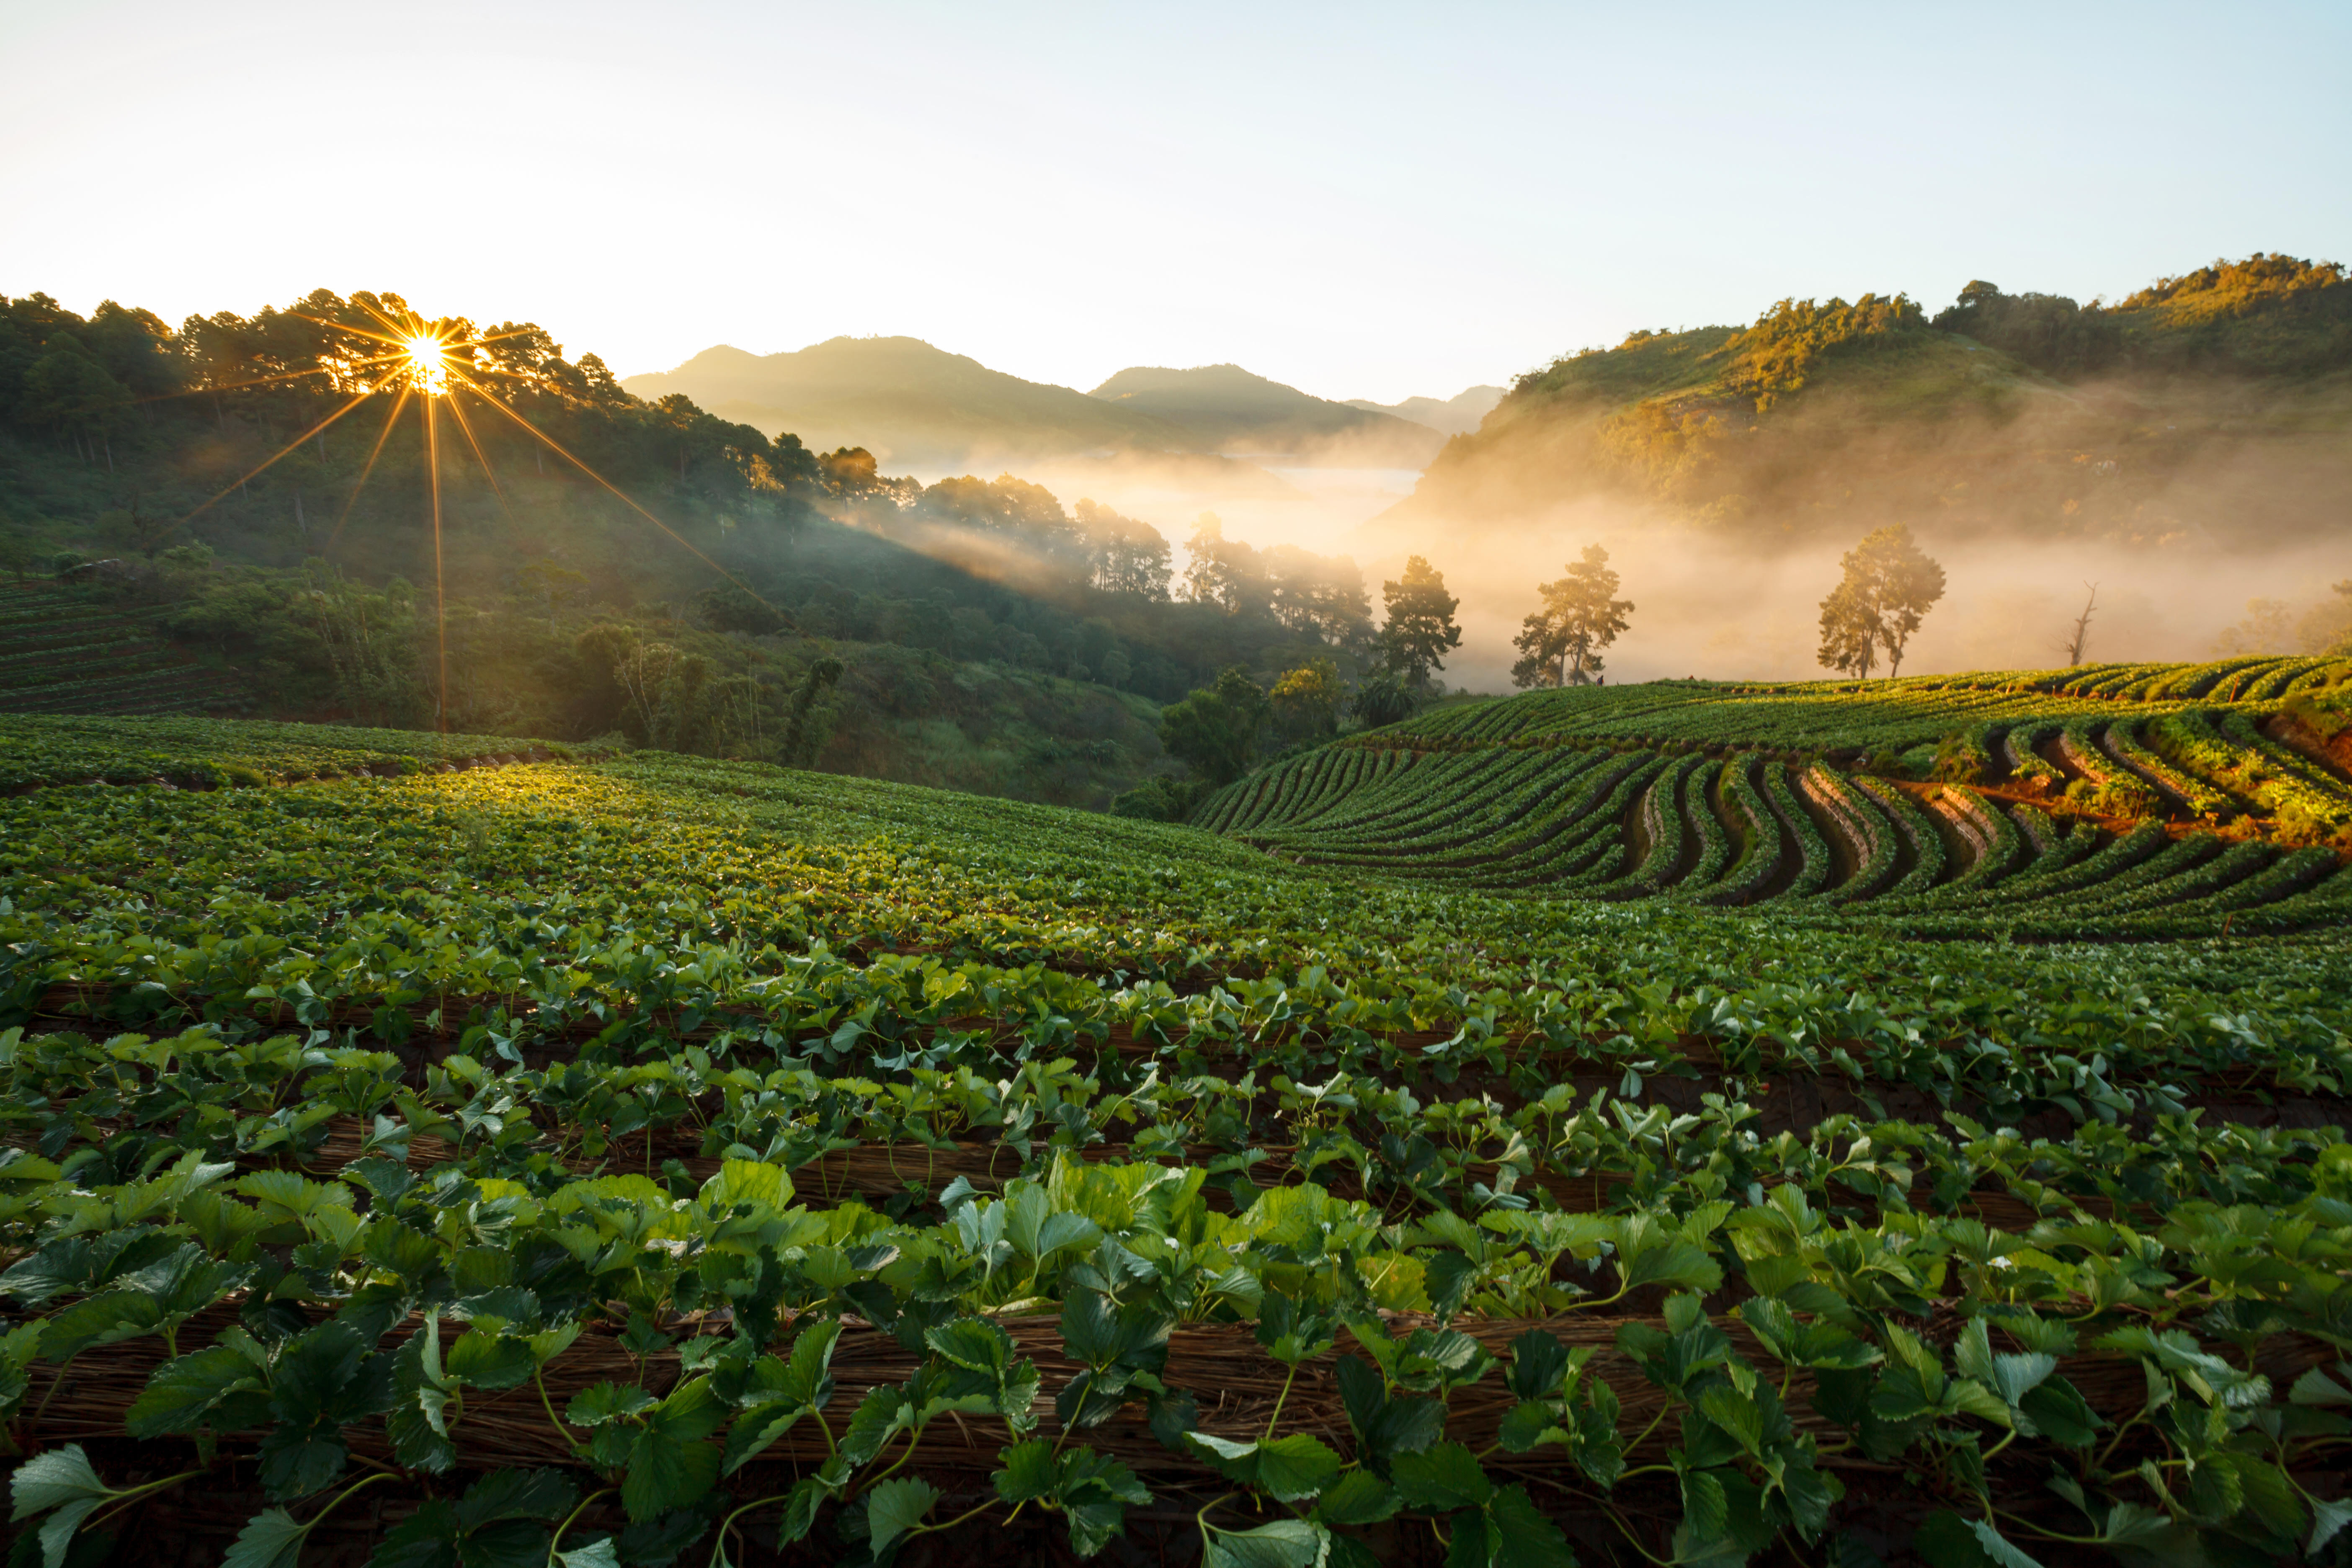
(1362, 200)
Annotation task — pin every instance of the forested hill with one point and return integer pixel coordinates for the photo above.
(239, 516)
(2215, 404)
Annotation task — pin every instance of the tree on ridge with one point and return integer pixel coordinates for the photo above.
(1890, 584)
(1560, 644)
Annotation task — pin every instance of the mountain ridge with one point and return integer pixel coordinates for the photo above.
(914, 405)
(2215, 404)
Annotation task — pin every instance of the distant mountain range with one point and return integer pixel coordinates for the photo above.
(1224, 409)
(917, 406)
(1456, 415)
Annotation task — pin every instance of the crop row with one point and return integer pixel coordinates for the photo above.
(517, 1303)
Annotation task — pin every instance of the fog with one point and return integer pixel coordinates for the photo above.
(1711, 604)
(1704, 607)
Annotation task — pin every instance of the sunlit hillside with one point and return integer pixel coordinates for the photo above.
(2217, 407)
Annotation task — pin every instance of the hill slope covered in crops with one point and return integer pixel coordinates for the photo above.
(628, 1159)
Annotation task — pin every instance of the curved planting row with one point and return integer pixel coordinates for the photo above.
(1630, 825)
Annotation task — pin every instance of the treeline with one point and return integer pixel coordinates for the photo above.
(269, 490)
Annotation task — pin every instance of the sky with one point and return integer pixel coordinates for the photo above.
(1361, 200)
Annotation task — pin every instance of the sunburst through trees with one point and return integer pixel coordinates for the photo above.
(380, 348)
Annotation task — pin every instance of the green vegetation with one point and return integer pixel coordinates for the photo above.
(1641, 791)
(240, 516)
(639, 1158)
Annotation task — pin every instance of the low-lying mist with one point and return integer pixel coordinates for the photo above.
(1718, 604)
(1720, 609)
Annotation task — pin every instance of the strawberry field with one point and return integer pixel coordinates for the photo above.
(1575, 1141)
(2124, 804)
(61, 653)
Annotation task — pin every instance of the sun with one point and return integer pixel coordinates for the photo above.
(428, 363)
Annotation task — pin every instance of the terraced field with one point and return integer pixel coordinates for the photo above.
(62, 652)
(624, 1161)
(2134, 801)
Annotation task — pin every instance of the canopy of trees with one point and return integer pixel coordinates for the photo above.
(1889, 585)
(1560, 644)
(1419, 630)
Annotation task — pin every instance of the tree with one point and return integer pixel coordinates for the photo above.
(1419, 621)
(1383, 699)
(1849, 633)
(1222, 572)
(1214, 730)
(1890, 584)
(1123, 555)
(2078, 642)
(1322, 596)
(1306, 700)
(2268, 628)
(1560, 643)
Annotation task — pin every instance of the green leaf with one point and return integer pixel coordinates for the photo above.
(51, 1479)
(666, 1472)
(1447, 1276)
(1537, 1362)
(1998, 1548)
(183, 1390)
(104, 1319)
(297, 1460)
(56, 1532)
(1945, 1540)
(1289, 1470)
(1528, 1424)
(603, 1402)
(1359, 1497)
(271, 1539)
(2315, 1387)
(1026, 1472)
(973, 1343)
(491, 1361)
(808, 1377)
(517, 1494)
(2327, 1519)
(1524, 1536)
(426, 1539)
(1444, 1478)
(893, 1508)
(756, 1430)
(2058, 1411)
(1286, 1543)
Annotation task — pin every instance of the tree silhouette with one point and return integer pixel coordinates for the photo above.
(1420, 627)
(1560, 644)
(1890, 584)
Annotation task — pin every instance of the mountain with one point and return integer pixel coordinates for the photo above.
(912, 405)
(1226, 409)
(2215, 406)
(1455, 416)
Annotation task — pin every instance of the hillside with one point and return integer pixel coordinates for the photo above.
(1455, 416)
(912, 405)
(2106, 802)
(1225, 408)
(2215, 408)
(254, 514)
(642, 1159)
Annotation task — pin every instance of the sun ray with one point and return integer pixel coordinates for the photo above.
(385, 434)
(255, 471)
(514, 524)
(626, 499)
(440, 604)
